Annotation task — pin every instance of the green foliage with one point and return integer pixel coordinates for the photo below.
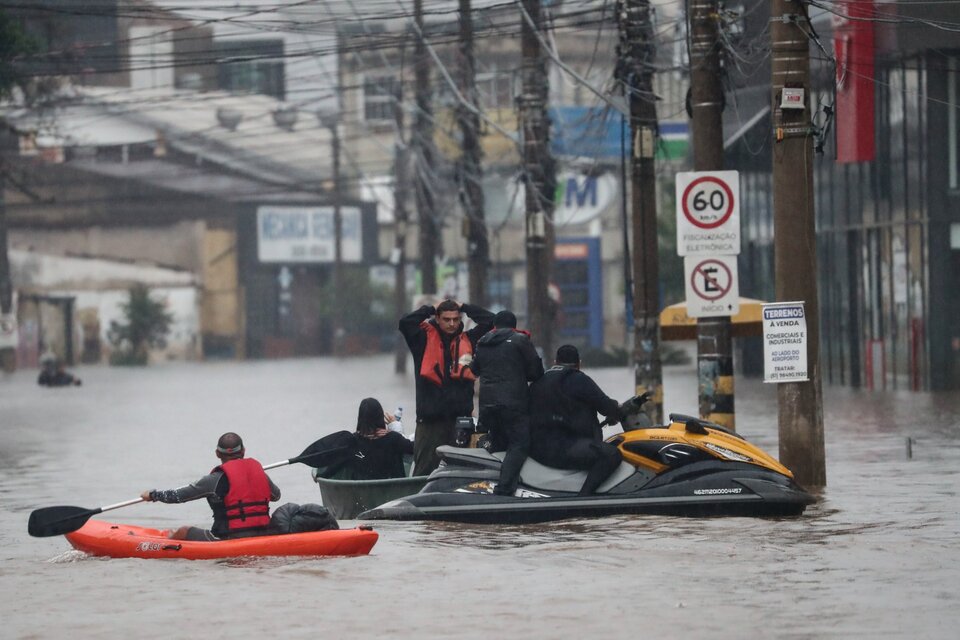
(367, 308)
(147, 325)
(671, 265)
(13, 43)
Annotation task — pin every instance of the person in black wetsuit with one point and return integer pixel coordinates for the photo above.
(505, 362)
(379, 451)
(238, 491)
(565, 432)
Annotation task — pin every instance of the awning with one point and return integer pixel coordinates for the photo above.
(675, 324)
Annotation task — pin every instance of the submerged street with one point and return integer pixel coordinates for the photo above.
(876, 557)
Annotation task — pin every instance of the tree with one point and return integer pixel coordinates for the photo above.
(148, 323)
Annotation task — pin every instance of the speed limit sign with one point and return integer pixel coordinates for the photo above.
(708, 213)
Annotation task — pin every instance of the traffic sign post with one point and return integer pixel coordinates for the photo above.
(708, 213)
(711, 286)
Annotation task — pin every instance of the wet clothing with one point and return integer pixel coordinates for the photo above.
(439, 405)
(565, 431)
(214, 487)
(379, 458)
(458, 351)
(505, 362)
(452, 398)
(247, 503)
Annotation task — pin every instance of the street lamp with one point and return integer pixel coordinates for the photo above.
(331, 120)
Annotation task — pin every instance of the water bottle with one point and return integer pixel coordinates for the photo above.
(396, 425)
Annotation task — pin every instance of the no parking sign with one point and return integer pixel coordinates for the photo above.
(708, 213)
(711, 286)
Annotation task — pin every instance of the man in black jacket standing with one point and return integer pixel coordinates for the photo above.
(505, 362)
(565, 431)
(442, 352)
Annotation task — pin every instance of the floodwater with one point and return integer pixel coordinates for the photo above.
(877, 557)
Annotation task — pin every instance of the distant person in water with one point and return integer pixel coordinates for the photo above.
(54, 374)
(380, 450)
(238, 490)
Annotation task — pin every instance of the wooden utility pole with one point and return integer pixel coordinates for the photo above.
(795, 257)
(401, 307)
(471, 173)
(714, 346)
(424, 170)
(637, 52)
(540, 177)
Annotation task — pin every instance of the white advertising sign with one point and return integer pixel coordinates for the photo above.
(708, 213)
(784, 342)
(711, 285)
(8, 331)
(305, 234)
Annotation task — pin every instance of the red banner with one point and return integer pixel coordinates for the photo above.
(853, 46)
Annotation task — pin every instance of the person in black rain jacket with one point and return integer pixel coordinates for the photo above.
(565, 431)
(505, 362)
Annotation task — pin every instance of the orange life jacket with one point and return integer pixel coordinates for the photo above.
(247, 503)
(461, 354)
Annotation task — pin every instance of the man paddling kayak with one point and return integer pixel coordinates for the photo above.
(238, 490)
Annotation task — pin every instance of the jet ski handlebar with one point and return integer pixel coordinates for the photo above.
(631, 408)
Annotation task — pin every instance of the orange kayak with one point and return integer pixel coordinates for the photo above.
(100, 538)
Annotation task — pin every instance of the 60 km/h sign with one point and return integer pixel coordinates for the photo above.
(708, 213)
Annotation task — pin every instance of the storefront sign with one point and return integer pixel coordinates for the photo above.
(306, 234)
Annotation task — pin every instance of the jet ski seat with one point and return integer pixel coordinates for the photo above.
(536, 475)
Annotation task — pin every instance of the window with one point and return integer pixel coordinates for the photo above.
(495, 90)
(379, 98)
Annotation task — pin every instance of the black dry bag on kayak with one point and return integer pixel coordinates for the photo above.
(297, 518)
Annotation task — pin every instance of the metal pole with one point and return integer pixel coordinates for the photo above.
(637, 52)
(8, 359)
(338, 328)
(400, 222)
(795, 258)
(424, 165)
(715, 381)
(539, 175)
(471, 172)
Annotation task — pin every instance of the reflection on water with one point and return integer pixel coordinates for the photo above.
(875, 557)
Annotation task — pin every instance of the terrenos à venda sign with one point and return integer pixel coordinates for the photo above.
(306, 234)
(784, 342)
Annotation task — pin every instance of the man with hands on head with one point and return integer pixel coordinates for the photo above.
(442, 352)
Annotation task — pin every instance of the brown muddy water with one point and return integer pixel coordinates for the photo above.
(877, 557)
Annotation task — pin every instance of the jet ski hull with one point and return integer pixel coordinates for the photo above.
(701, 490)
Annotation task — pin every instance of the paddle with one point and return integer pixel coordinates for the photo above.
(57, 521)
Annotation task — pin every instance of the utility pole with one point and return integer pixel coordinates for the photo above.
(540, 177)
(714, 346)
(636, 53)
(400, 229)
(423, 155)
(795, 258)
(332, 122)
(8, 359)
(471, 173)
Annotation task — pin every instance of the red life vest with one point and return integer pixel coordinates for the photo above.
(461, 354)
(247, 503)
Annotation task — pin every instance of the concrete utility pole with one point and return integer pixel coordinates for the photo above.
(332, 122)
(400, 229)
(471, 173)
(714, 346)
(539, 175)
(424, 170)
(637, 52)
(795, 258)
